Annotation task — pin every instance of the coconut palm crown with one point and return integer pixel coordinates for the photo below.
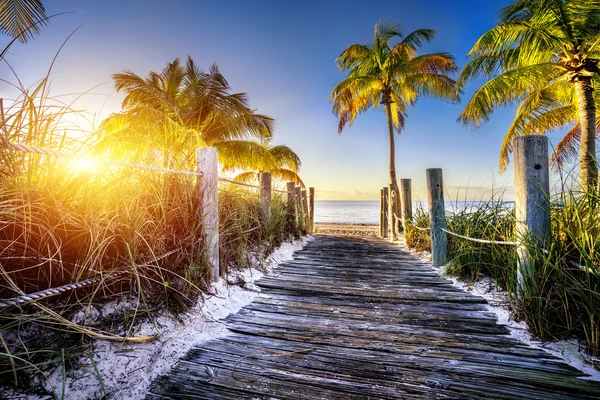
(543, 55)
(388, 71)
(180, 109)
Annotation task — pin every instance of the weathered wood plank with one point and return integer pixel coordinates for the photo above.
(361, 319)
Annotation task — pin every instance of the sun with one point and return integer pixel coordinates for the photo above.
(83, 165)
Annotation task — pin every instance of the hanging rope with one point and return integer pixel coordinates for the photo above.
(479, 240)
(42, 294)
(239, 183)
(420, 228)
(55, 153)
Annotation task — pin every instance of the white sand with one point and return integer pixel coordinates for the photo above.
(128, 369)
(568, 350)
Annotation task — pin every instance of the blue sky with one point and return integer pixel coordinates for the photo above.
(282, 53)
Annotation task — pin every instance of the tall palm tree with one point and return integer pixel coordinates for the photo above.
(541, 53)
(179, 109)
(394, 75)
(21, 19)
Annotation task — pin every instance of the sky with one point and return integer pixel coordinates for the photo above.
(282, 54)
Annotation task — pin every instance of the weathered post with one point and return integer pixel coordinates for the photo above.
(532, 206)
(299, 210)
(291, 200)
(312, 208)
(265, 196)
(406, 202)
(437, 216)
(385, 212)
(381, 213)
(393, 200)
(305, 209)
(207, 160)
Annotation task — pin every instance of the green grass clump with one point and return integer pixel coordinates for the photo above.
(415, 238)
(62, 223)
(563, 298)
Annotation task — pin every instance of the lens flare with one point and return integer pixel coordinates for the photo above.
(84, 165)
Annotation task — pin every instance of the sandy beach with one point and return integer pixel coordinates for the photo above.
(346, 229)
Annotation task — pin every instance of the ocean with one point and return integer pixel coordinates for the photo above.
(367, 212)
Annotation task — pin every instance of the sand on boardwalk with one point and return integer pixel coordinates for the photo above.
(329, 228)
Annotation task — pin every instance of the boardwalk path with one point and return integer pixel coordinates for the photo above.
(353, 318)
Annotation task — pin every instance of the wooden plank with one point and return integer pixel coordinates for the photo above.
(361, 319)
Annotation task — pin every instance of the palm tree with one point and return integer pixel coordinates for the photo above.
(21, 19)
(281, 161)
(393, 75)
(544, 54)
(548, 109)
(179, 109)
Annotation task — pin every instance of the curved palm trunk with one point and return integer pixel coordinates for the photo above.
(393, 179)
(588, 166)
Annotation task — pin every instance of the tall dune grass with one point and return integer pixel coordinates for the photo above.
(62, 221)
(564, 297)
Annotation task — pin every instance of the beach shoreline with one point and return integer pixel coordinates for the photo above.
(356, 229)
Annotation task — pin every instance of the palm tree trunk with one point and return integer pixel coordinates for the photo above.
(588, 167)
(388, 111)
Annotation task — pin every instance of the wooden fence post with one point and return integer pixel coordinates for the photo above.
(207, 160)
(437, 216)
(311, 192)
(299, 210)
(406, 202)
(385, 212)
(393, 211)
(265, 196)
(291, 202)
(305, 209)
(381, 213)
(532, 206)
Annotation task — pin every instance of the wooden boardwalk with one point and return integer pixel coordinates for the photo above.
(353, 318)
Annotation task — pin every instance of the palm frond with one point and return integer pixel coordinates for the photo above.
(506, 89)
(567, 150)
(22, 19)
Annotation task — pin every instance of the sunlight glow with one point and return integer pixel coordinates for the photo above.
(84, 165)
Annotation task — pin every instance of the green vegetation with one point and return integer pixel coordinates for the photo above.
(66, 220)
(21, 19)
(564, 297)
(393, 75)
(544, 55)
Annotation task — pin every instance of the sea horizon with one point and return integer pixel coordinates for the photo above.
(367, 211)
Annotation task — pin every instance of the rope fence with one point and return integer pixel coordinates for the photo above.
(26, 298)
(480, 240)
(239, 183)
(42, 294)
(55, 153)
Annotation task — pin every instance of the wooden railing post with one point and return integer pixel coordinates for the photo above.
(305, 209)
(406, 202)
(532, 206)
(381, 213)
(299, 210)
(393, 201)
(385, 206)
(265, 196)
(437, 216)
(291, 200)
(207, 161)
(311, 192)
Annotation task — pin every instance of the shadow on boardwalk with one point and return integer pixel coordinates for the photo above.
(353, 318)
